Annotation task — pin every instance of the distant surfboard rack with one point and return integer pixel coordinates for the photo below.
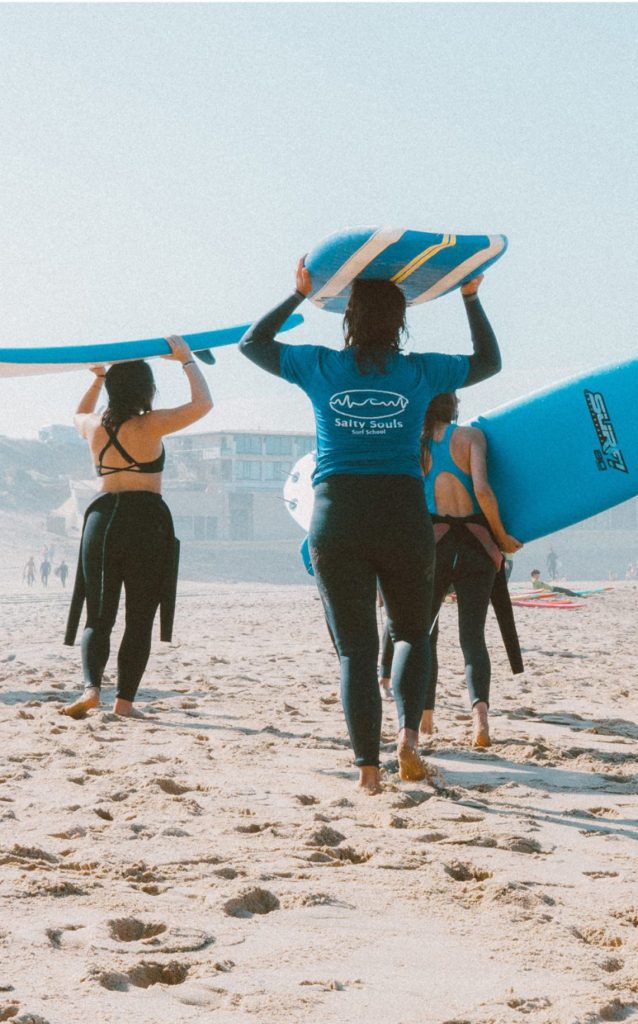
(424, 265)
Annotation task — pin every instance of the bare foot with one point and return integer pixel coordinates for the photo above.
(370, 780)
(385, 685)
(411, 766)
(125, 709)
(480, 726)
(90, 699)
(427, 723)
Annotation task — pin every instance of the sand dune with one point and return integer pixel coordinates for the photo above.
(214, 862)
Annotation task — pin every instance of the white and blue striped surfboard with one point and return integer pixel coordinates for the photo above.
(424, 265)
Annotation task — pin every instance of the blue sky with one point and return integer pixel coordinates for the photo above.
(163, 166)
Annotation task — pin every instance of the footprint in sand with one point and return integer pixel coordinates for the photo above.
(143, 975)
(172, 787)
(65, 937)
(612, 964)
(305, 800)
(250, 902)
(598, 937)
(8, 1010)
(628, 916)
(338, 857)
(325, 836)
(134, 935)
(461, 872)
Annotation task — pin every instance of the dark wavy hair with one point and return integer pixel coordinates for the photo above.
(131, 390)
(442, 409)
(374, 323)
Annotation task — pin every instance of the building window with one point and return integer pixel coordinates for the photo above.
(276, 470)
(248, 444)
(248, 470)
(278, 445)
(305, 445)
(227, 470)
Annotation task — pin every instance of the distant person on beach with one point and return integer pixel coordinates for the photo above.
(540, 584)
(62, 572)
(369, 521)
(28, 573)
(552, 564)
(470, 541)
(128, 538)
(45, 570)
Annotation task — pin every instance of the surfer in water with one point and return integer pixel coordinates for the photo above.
(128, 537)
(369, 520)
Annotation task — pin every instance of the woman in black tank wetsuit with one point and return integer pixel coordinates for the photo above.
(128, 538)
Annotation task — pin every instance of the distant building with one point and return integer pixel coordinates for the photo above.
(227, 485)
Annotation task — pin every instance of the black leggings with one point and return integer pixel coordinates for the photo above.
(127, 541)
(462, 561)
(368, 528)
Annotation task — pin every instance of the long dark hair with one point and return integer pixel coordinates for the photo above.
(442, 409)
(131, 390)
(374, 323)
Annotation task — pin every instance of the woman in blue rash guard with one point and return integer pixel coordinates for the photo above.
(369, 520)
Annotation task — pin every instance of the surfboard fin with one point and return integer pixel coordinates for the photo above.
(206, 356)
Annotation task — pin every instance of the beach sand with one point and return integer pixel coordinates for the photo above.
(214, 862)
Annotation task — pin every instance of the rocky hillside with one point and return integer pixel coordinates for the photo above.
(34, 475)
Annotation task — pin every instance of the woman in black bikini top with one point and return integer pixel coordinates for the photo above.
(128, 539)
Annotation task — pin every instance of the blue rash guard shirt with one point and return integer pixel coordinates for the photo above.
(369, 422)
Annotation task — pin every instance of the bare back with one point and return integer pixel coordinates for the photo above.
(139, 436)
(467, 445)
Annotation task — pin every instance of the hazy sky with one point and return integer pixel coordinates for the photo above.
(163, 166)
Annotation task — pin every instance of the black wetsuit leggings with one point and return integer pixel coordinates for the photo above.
(126, 542)
(463, 561)
(368, 528)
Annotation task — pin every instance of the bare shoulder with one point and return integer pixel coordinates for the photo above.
(87, 424)
(474, 435)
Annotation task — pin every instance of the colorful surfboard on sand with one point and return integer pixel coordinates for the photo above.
(555, 457)
(20, 362)
(422, 264)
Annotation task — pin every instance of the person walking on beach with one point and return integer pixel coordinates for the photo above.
(552, 564)
(470, 541)
(45, 569)
(62, 572)
(369, 521)
(128, 538)
(28, 573)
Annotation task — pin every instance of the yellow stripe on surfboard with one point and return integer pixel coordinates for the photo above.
(446, 242)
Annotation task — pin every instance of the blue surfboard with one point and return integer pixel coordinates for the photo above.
(554, 458)
(16, 362)
(565, 453)
(422, 264)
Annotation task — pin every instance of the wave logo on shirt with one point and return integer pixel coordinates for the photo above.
(368, 404)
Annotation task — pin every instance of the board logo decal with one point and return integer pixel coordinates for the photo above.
(369, 405)
(609, 454)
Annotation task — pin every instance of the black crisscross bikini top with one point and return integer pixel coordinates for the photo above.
(156, 466)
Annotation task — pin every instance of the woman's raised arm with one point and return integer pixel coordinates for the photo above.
(167, 421)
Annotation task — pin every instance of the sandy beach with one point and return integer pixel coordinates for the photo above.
(215, 862)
